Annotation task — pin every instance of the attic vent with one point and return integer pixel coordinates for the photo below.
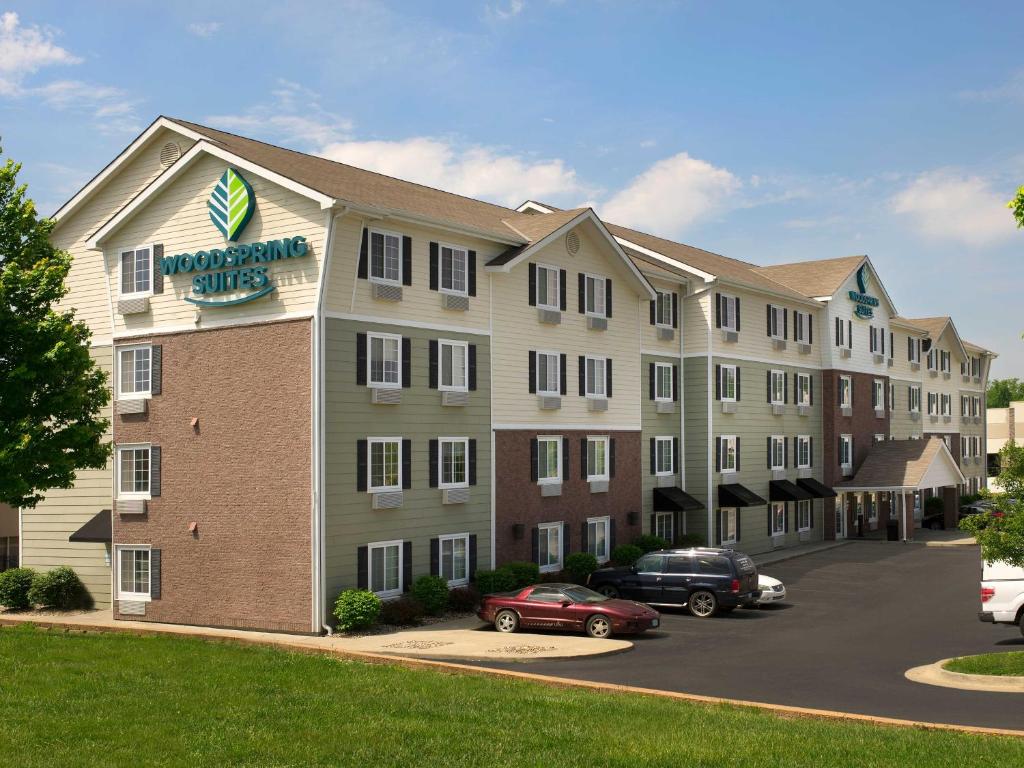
(169, 153)
(572, 243)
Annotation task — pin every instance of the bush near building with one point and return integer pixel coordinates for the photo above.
(626, 554)
(432, 593)
(15, 585)
(356, 609)
(59, 588)
(499, 580)
(525, 573)
(403, 612)
(649, 542)
(579, 565)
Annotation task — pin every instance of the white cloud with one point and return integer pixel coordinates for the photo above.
(113, 109)
(948, 205)
(505, 11)
(26, 50)
(671, 195)
(204, 28)
(1010, 91)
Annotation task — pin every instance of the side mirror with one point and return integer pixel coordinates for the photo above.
(566, 603)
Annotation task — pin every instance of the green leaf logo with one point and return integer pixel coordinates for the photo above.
(231, 204)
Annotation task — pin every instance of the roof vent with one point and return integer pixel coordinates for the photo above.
(169, 153)
(572, 243)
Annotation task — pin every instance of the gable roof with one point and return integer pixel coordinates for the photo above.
(814, 278)
(936, 326)
(901, 464)
(972, 347)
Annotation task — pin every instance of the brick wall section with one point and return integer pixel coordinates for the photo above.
(518, 500)
(243, 476)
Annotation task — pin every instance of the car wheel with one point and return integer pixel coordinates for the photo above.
(609, 590)
(506, 621)
(599, 626)
(702, 604)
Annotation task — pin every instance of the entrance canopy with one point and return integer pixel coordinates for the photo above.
(783, 490)
(906, 465)
(816, 489)
(98, 530)
(736, 495)
(674, 499)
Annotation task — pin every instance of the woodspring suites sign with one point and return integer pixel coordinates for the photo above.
(865, 304)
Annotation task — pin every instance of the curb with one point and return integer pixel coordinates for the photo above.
(937, 674)
(557, 682)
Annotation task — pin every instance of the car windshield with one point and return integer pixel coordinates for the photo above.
(584, 595)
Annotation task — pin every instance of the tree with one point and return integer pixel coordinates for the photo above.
(52, 393)
(1001, 532)
(1017, 206)
(1002, 391)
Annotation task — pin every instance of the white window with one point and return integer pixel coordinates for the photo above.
(594, 295)
(946, 402)
(945, 361)
(384, 466)
(728, 385)
(915, 399)
(879, 437)
(728, 518)
(846, 450)
(549, 459)
(598, 538)
(548, 373)
(663, 526)
(385, 568)
(776, 322)
(454, 365)
(803, 389)
(385, 257)
(778, 387)
(384, 360)
(933, 356)
(778, 518)
(727, 309)
(803, 451)
(964, 450)
(878, 341)
(595, 377)
(454, 559)
(913, 350)
(663, 459)
(453, 269)
(136, 268)
(777, 455)
(134, 371)
(803, 515)
(663, 310)
(549, 547)
(802, 327)
(840, 332)
(548, 295)
(452, 455)
(727, 453)
(133, 471)
(597, 458)
(845, 392)
(933, 404)
(663, 390)
(133, 573)
(878, 394)
(976, 407)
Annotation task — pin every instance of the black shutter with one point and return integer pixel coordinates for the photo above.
(654, 455)
(471, 272)
(675, 455)
(155, 578)
(718, 454)
(611, 535)
(361, 461)
(810, 387)
(406, 260)
(718, 382)
(583, 535)
(363, 258)
(718, 310)
(533, 285)
(611, 457)
(785, 323)
(562, 367)
(739, 511)
(737, 454)
(472, 368)
(768, 452)
(432, 460)
(770, 531)
(406, 362)
(738, 388)
(471, 461)
(472, 556)
(583, 375)
(675, 310)
(435, 557)
(718, 526)
(406, 566)
(737, 301)
(156, 369)
(654, 523)
(810, 328)
(651, 368)
(608, 377)
(565, 459)
(362, 567)
(533, 372)
(675, 383)
(533, 459)
(435, 267)
(810, 451)
(583, 293)
(768, 376)
(583, 458)
(154, 471)
(361, 358)
(654, 311)
(607, 297)
(839, 332)
(785, 388)
(565, 541)
(768, 320)
(535, 544)
(407, 464)
(785, 452)
(562, 276)
(432, 382)
(849, 334)
(812, 513)
(158, 275)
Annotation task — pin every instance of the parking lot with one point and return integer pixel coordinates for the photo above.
(856, 619)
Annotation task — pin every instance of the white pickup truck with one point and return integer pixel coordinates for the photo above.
(1002, 594)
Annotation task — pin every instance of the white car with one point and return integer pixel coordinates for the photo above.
(1002, 594)
(772, 590)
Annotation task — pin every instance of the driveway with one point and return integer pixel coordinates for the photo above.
(857, 618)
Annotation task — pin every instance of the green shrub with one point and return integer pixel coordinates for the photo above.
(14, 588)
(579, 565)
(691, 540)
(934, 505)
(648, 542)
(403, 612)
(500, 580)
(969, 498)
(463, 599)
(356, 609)
(525, 573)
(432, 593)
(626, 554)
(60, 588)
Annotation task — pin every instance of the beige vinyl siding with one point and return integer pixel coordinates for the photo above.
(649, 336)
(178, 218)
(753, 341)
(46, 528)
(656, 424)
(350, 520)
(861, 358)
(941, 385)
(517, 330)
(695, 450)
(901, 425)
(696, 315)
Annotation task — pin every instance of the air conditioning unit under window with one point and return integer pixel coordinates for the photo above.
(386, 395)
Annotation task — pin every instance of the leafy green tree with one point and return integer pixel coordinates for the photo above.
(1017, 206)
(1001, 533)
(1001, 392)
(52, 394)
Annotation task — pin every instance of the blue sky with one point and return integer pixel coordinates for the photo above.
(769, 132)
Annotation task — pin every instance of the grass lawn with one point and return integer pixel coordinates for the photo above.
(80, 699)
(1006, 663)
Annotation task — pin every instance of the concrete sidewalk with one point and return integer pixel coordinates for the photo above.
(813, 548)
(467, 638)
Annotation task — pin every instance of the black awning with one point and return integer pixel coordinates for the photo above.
(97, 530)
(736, 495)
(783, 490)
(816, 489)
(672, 499)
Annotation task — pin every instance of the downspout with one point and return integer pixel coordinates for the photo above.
(490, 392)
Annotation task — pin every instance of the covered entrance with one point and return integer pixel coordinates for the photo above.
(668, 518)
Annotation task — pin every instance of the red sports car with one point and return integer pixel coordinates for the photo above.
(566, 607)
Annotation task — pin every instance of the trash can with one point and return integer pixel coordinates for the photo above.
(892, 530)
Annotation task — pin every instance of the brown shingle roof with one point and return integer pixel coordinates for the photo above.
(933, 326)
(533, 229)
(813, 278)
(896, 464)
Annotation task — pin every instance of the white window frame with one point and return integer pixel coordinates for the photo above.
(840, 332)
(664, 446)
(803, 379)
(556, 478)
(878, 387)
(384, 338)
(845, 391)
(370, 442)
(664, 522)
(663, 307)
(589, 381)
(541, 386)
(148, 247)
(465, 268)
(915, 350)
(802, 442)
(914, 406)
(778, 450)
(846, 441)
(976, 406)
(451, 539)
(801, 326)
(119, 366)
(557, 305)
(383, 546)
(777, 321)
(778, 510)
(659, 370)
(804, 513)
(728, 516)
(933, 359)
(945, 404)
(545, 529)
(778, 380)
(945, 361)
(119, 594)
(129, 495)
(731, 369)
(599, 296)
(727, 312)
(879, 437)
(441, 442)
(726, 442)
(605, 556)
(385, 234)
(933, 398)
(441, 344)
(606, 475)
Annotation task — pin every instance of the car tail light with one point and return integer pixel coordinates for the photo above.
(987, 593)
(735, 586)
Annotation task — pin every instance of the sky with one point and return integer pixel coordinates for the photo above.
(769, 132)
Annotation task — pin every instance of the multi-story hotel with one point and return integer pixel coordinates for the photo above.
(327, 378)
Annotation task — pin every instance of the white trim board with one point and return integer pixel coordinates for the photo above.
(559, 428)
(207, 325)
(751, 359)
(407, 323)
